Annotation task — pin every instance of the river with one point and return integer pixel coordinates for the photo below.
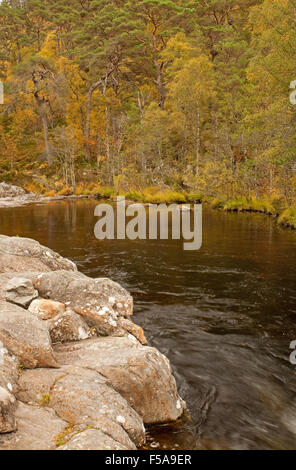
(224, 315)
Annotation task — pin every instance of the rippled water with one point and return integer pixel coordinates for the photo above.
(224, 315)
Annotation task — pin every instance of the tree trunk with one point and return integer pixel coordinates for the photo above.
(160, 83)
(73, 176)
(41, 103)
(91, 91)
(197, 143)
(141, 106)
(93, 88)
(107, 143)
(270, 181)
(46, 135)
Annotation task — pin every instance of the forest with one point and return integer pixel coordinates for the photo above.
(160, 100)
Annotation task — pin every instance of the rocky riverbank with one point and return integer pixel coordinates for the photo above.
(75, 371)
(14, 196)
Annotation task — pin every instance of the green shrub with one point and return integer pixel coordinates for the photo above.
(104, 192)
(164, 197)
(237, 205)
(288, 218)
(242, 204)
(194, 198)
(135, 196)
(262, 205)
(217, 204)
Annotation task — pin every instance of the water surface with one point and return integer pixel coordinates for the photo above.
(224, 315)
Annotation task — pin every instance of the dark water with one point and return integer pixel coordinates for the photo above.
(224, 315)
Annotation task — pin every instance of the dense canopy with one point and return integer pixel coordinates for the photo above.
(186, 94)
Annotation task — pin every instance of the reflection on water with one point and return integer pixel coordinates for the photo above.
(224, 315)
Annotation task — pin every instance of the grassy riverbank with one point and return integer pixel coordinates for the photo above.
(288, 218)
(285, 215)
(152, 195)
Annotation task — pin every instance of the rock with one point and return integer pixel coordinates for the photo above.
(133, 329)
(107, 386)
(9, 370)
(8, 190)
(20, 291)
(35, 385)
(46, 309)
(83, 396)
(7, 411)
(23, 335)
(92, 439)
(68, 326)
(100, 301)
(13, 196)
(23, 254)
(8, 387)
(141, 374)
(81, 291)
(5, 278)
(37, 429)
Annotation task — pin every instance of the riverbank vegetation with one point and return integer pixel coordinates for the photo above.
(288, 218)
(159, 100)
(275, 207)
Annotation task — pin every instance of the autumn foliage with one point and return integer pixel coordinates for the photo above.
(190, 95)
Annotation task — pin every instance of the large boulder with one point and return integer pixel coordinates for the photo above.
(100, 301)
(46, 309)
(9, 190)
(23, 254)
(7, 411)
(6, 278)
(83, 396)
(20, 291)
(37, 429)
(9, 370)
(68, 326)
(90, 298)
(130, 327)
(80, 292)
(26, 337)
(142, 375)
(91, 439)
(41, 429)
(9, 374)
